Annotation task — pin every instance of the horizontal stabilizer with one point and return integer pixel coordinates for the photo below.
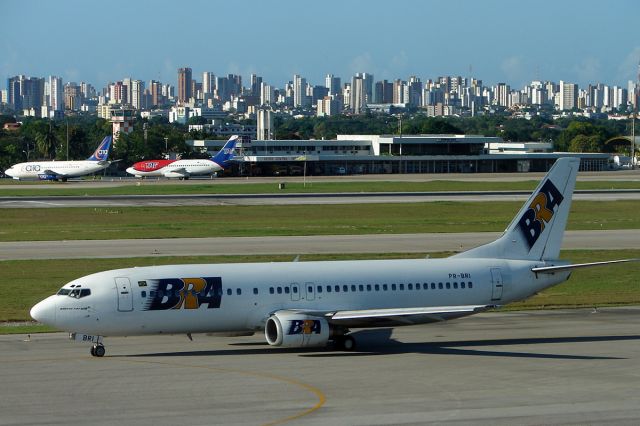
(558, 268)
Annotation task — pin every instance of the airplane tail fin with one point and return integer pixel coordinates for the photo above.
(537, 230)
(102, 151)
(224, 156)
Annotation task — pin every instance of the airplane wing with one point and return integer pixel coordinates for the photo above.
(178, 172)
(52, 173)
(396, 316)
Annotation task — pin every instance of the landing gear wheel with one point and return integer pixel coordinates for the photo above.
(348, 343)
(98, 350)
(345, 343)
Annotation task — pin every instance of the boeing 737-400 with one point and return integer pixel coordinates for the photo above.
(62, 170)
(303, 304)
(183, 169)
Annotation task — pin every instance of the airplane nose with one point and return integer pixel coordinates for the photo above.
(9, 172)
(44, 312)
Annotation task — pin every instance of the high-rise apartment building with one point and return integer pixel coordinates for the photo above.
(184, 85)
(56, 93)
(361, 92)
(137, 91)
(300, 98)
(208, 83)
(568, 96)
(333, 83)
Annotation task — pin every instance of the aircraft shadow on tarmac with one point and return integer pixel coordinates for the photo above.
(380, 342)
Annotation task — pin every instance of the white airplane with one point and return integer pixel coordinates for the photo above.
(62, 170)
(302, 304)
(183, 169)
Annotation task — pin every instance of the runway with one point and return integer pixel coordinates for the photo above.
(289, 199)
(525, 368)
(295, 245)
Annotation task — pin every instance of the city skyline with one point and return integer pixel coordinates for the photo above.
(580, 42)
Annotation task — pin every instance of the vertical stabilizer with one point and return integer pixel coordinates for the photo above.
(227, 152)
(102, 151)
(537, 230)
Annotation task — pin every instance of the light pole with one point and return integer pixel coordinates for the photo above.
(166, 146)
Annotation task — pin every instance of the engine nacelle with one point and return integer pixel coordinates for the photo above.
(296, 330)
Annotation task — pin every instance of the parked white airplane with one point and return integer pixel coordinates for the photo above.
(183, 169)
(62, 170)
(300, 304)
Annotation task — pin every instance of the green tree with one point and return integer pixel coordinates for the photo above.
(47, 142)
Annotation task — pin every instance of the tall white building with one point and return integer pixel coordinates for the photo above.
(208, 83)
(300, 98)
(137, 90)
(267, 94)
(56, 93)
(333, 84)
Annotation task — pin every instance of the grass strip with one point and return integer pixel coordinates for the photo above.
(89, 223)
(218, 186)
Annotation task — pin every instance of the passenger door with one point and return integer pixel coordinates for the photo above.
(125, 295)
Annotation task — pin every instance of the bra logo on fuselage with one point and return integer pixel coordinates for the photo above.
(185, 293)
(540, 212)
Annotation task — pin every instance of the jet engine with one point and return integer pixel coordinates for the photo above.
(296, 330)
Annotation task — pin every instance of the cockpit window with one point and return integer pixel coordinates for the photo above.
(76, 293)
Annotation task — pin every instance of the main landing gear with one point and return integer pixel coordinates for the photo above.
(345, 342)
(98, 350)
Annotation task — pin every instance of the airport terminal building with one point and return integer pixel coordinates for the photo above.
(380, 154)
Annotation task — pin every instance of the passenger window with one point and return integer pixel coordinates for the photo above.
(448, 285)
(401, 286)
(353, 287)
(345, 288)
(271, 290)
(328, 289)
(409, 286)
(425, 286)
(462, 285)
(384, 287)
(143, 294)
(229, 292)
(455, 285)
(255, 290)
(279, 290)
(286, 290)
(433, 286)
(295, 289)
(319, 289)
(440, 286)
(368, 287)
(310, 289)
(361, 287)
(337, 289)
(377, 287)
(393, 287)
(470, 285)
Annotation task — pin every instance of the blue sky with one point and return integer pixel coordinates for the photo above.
(499, 40)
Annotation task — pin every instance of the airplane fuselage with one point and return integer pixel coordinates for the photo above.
(42, 169)
(239, 297)
(173, 168)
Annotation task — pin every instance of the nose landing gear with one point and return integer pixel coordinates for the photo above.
(98, 350)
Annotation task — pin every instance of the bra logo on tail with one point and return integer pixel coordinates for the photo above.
(540, 212)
